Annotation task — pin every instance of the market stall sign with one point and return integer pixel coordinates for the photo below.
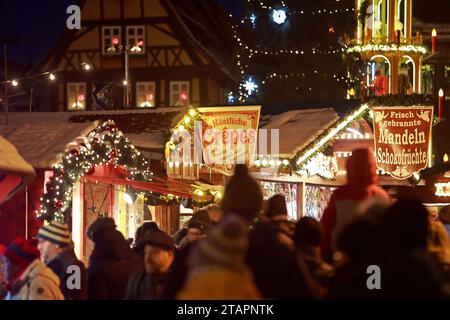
(229, 136)
(402, 137)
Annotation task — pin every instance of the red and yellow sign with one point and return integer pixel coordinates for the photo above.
(229, 136)
(402, 136)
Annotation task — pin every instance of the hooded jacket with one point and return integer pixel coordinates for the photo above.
(342, 208)
(37, 282)
(111, 264)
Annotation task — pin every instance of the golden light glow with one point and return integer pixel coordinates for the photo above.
(434, 33)
(441, 93)
(445, 158)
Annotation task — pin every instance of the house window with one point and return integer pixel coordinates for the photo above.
(136, 39)
(179, 93)
(111, 37)
(76, 96)
(145, 94)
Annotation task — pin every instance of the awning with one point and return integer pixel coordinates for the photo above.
(15, 172)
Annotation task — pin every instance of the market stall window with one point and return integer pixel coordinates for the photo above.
(289, 190)
(317, 198)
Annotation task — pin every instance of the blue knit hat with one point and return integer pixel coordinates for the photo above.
(55, 232)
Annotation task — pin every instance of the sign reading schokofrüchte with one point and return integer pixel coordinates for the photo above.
(402, 136)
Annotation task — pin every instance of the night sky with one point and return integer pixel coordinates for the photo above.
(41, 22)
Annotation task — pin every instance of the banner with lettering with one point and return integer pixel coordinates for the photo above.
(401, 139)
(229, 136)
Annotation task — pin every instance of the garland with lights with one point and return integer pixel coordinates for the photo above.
(168, 199)
(175, 136)
(104, 145)
(390, 47)
(321, 142)
(401, 100)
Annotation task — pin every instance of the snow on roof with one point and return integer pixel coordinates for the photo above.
(41, 137)
(298, 128)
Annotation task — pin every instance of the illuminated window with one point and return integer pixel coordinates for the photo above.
(136, 39)
(179, 93)
(145, 94)
(111, 37)
(76, 96)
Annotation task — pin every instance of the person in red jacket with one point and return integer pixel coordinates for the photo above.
(343, 206)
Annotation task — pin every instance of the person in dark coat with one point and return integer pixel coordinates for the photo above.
(405, 236)
(56, 249)
(273, 264)
(159, 253)
(111, 263)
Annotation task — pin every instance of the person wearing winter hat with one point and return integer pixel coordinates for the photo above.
(218, 270)
(55, 246)
(243, 195)
(159, 253)
(28, 278)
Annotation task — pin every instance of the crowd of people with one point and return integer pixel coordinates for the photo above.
(247, 249)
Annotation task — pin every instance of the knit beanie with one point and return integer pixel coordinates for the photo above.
(225, 245)
(55, 232)
(276, 206)
(243, 195)
(22, 252)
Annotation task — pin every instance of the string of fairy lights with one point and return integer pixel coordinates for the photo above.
(249, 84)
(51, 75)
(104, 145)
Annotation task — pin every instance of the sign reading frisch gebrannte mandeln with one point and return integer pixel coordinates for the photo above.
(402, 136)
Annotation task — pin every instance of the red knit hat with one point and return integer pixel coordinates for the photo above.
(2, 249)
(22, 252)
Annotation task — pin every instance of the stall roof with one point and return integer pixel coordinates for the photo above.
(15, 172)
(42, 136)
(299, 127)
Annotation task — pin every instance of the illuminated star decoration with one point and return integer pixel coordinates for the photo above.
(230, 97)
(250, 86)
(279, 16)
(253, 20)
